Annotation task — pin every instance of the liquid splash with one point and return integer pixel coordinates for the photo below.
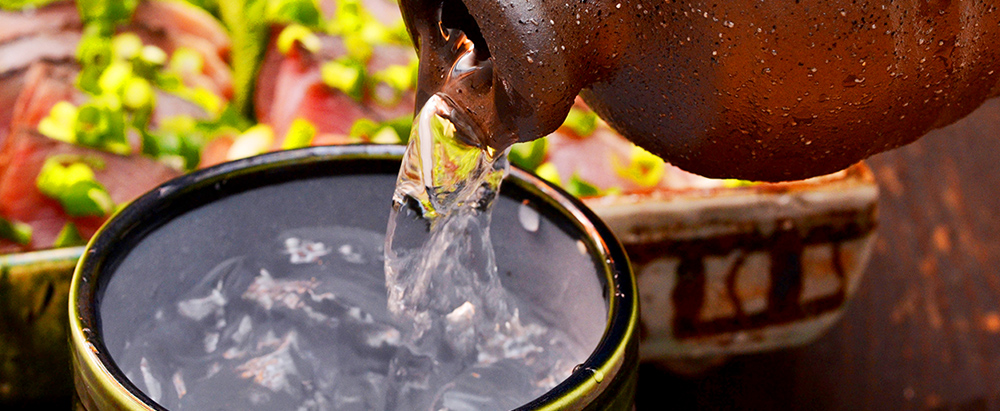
(438, 234)
(442, 278)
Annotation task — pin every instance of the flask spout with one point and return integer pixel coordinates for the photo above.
(504, 79)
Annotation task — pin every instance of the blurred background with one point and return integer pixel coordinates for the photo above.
(96, 108)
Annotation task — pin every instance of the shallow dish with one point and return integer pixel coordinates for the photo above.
(737, 270)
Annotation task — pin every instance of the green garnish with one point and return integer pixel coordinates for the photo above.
(296, 33)
(178, 142)
(576, 185)
(360, 33)
(16, 231)
(95, 52)
(16, 5)
(69, 236)
(581, 122)
(644, 168)
(101, 123)
(346, 75)
(304, 12)
(57, 125)
(186, 60)
(74, 186)
(386, 135)
(398, 78)
(734, 183)
(549, 172)
(248, 35)
(126, 46)
(363, 128)
(211, 6)
(122, 77)
(256, 140)
(98, 124)
(367, 130)
(106, 13)
(401, 125)
(300, 134)
(528, 155)
(581, 188)
(137, 93)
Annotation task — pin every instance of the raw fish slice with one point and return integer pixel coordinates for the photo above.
(20, 53)
(56, 17)
(22, 157)
(290, 87)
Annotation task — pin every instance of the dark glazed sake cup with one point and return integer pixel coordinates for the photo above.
(604, 381)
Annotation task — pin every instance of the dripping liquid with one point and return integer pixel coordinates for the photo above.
(441, 272)
(310, 311)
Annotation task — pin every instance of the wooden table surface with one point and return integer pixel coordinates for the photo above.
(923, 330)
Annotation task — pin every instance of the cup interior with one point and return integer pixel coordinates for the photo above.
(223, 224)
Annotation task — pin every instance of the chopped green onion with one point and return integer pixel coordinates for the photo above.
(126, 46)
(304, 12)
(386, 135)
(106, 13)
(348, 18)
(644, 168)
(17, 5)
(529, 155)
(185, 60)
(94, 54)
(153, 55)
(581, 122)
(398, 76)
(255, 140)
(205, 99)
(178, 141)
(387, 132)
(229, 118)
(138, 93)
(75, 188)
(358, 48)
(300, 134)
(549, 172)
(581, 188)
(344, 75)
(734, 183)
(15, 231)
(114, 77)
(149, 62)
(300, 34)
(69, 236)
(211, 6)
(398, 34)
(402, 127)
(60, 122)
(249, 35)
(363, 128)
(373, 33)
(101, 124)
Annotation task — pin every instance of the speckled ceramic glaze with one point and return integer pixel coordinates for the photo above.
(606, 380)
(754, 90)
(739, 270)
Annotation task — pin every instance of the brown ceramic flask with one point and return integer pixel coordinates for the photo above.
(753, 89)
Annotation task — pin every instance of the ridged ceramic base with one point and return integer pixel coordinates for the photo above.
(739, 270)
